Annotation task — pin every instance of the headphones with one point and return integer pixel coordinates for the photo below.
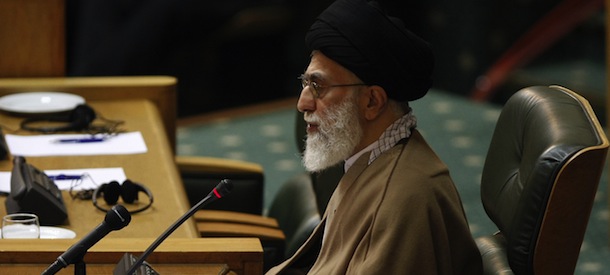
(78, 119)
(128, 191)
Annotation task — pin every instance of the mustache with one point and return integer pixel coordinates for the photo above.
(312, 118)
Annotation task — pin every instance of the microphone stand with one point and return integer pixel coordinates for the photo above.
(80, 267)
(116, 218)
(220, 191)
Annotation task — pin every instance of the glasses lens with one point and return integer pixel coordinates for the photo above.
(315, 89)
(313, 85)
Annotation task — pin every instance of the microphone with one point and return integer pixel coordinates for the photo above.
(222, 189)
(116, 218)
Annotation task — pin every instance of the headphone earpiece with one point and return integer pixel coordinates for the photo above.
(110, 192)
(128, 191)
(81, 117)
(78, 119)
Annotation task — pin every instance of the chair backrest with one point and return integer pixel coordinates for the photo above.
(201, 174)
(540, 178)
(294, 207)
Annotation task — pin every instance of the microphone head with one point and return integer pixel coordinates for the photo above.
(117, 217)
(224, 188)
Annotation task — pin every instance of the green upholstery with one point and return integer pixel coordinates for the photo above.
(539, 180)
(295, 210)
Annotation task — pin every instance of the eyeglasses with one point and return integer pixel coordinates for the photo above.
(317, 89)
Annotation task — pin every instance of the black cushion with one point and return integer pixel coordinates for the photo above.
(246, 196)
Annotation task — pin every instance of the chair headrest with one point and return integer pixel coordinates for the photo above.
(538, 131)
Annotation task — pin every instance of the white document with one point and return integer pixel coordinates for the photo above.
(90, 178)
(76, 144)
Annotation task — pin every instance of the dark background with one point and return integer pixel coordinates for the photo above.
(232, 53)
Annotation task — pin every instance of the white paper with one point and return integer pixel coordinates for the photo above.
(48, 145)
(91, 178)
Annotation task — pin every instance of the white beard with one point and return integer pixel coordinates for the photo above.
(339, 132)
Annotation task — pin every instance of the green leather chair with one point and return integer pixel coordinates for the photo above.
(201, 174)
(539, 180)
(294, 207)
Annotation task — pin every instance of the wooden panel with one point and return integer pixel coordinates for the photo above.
(558, 246)
(229, 229)
(32, 38)
(161, 90)
(194, 256)
(105, 269)
(235, 217)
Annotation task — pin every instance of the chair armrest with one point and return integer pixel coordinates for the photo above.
(212, 165)
(224, 229)
(234, 217)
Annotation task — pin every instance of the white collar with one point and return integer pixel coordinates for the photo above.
(350, 161)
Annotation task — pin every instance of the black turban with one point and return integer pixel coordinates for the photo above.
(376, 47)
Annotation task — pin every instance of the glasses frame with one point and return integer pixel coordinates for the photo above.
(317, 89)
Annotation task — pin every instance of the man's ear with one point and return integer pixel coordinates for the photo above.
(377, 101)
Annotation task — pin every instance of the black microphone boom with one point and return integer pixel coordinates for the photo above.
(116, 218)
(222, 189)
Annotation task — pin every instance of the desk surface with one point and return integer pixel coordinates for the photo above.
(155, 169)
(174, 256)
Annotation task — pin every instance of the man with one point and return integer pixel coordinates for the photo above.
(396, 210)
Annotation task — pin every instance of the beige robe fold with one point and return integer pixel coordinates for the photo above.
(399, 215)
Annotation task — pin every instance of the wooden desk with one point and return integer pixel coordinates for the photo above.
(183, 252)
(161, 90)
(155, 169)
(175, 256)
